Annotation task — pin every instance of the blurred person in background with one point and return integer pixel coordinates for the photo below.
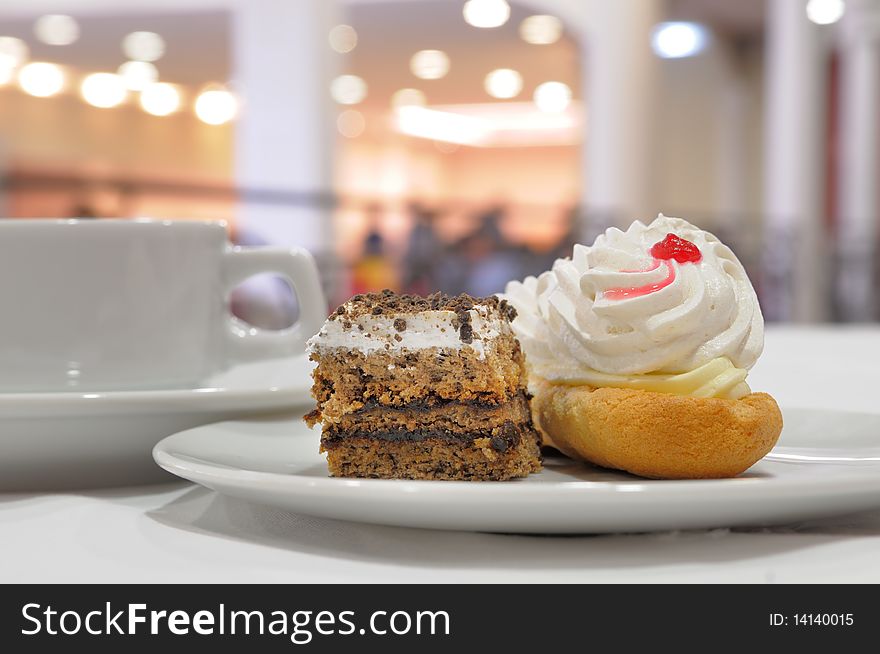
(492, 260)
(490, 265)
(451, 272)
(424, 252)
(481, 262)
(374, 270)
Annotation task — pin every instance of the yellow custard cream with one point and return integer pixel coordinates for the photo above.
(718, 378)
(664, 307)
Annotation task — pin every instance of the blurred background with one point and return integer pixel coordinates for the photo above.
(447, 145)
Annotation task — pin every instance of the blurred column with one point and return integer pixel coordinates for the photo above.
(619, 77)
(795, 266)
(732, 158)
(285, 135)
(859, 173)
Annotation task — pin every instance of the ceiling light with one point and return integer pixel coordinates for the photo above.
(351, 123)
(552, 97)
(540, 29)
(503, 83)
(486, 13)
(103, 90)
(160, 99)
(429, 64)
(137, 75)
(56, 29)
(41, 79)
(493, 124)
(216, 106)
(6, 74)
(679, 39)
(348, 89)
(343, 38)
(442, 125)
(13, 52)
(407, 97)
(143, 46)
(825, 12)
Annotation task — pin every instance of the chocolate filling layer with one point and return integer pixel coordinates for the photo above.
(432, 402)
(500, 438)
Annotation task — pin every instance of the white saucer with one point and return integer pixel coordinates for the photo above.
(59, 440)
(826, 463)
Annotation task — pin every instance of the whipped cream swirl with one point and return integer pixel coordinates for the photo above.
(616, 309)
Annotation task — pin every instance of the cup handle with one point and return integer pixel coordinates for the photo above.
(248, 343)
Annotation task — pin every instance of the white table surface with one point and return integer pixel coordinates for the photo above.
(183, 533)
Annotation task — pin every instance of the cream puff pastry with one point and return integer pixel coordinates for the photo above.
(638, 348)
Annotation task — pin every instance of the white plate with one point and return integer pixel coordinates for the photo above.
(826, 463)
(62, 440)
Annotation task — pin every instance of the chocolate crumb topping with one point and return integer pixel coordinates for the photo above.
(389, 303)
(398, 338)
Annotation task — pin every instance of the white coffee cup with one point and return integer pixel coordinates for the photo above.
(88, 305)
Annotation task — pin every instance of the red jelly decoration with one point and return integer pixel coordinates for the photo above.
(673, 247)
(647, 289)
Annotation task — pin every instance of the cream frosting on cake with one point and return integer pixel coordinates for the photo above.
(409, 323)
(426, 329)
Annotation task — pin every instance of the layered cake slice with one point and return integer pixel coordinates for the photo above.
(423, 388)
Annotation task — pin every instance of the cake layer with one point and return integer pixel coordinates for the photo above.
(479, 456)
(346, 380)
(444, 415)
